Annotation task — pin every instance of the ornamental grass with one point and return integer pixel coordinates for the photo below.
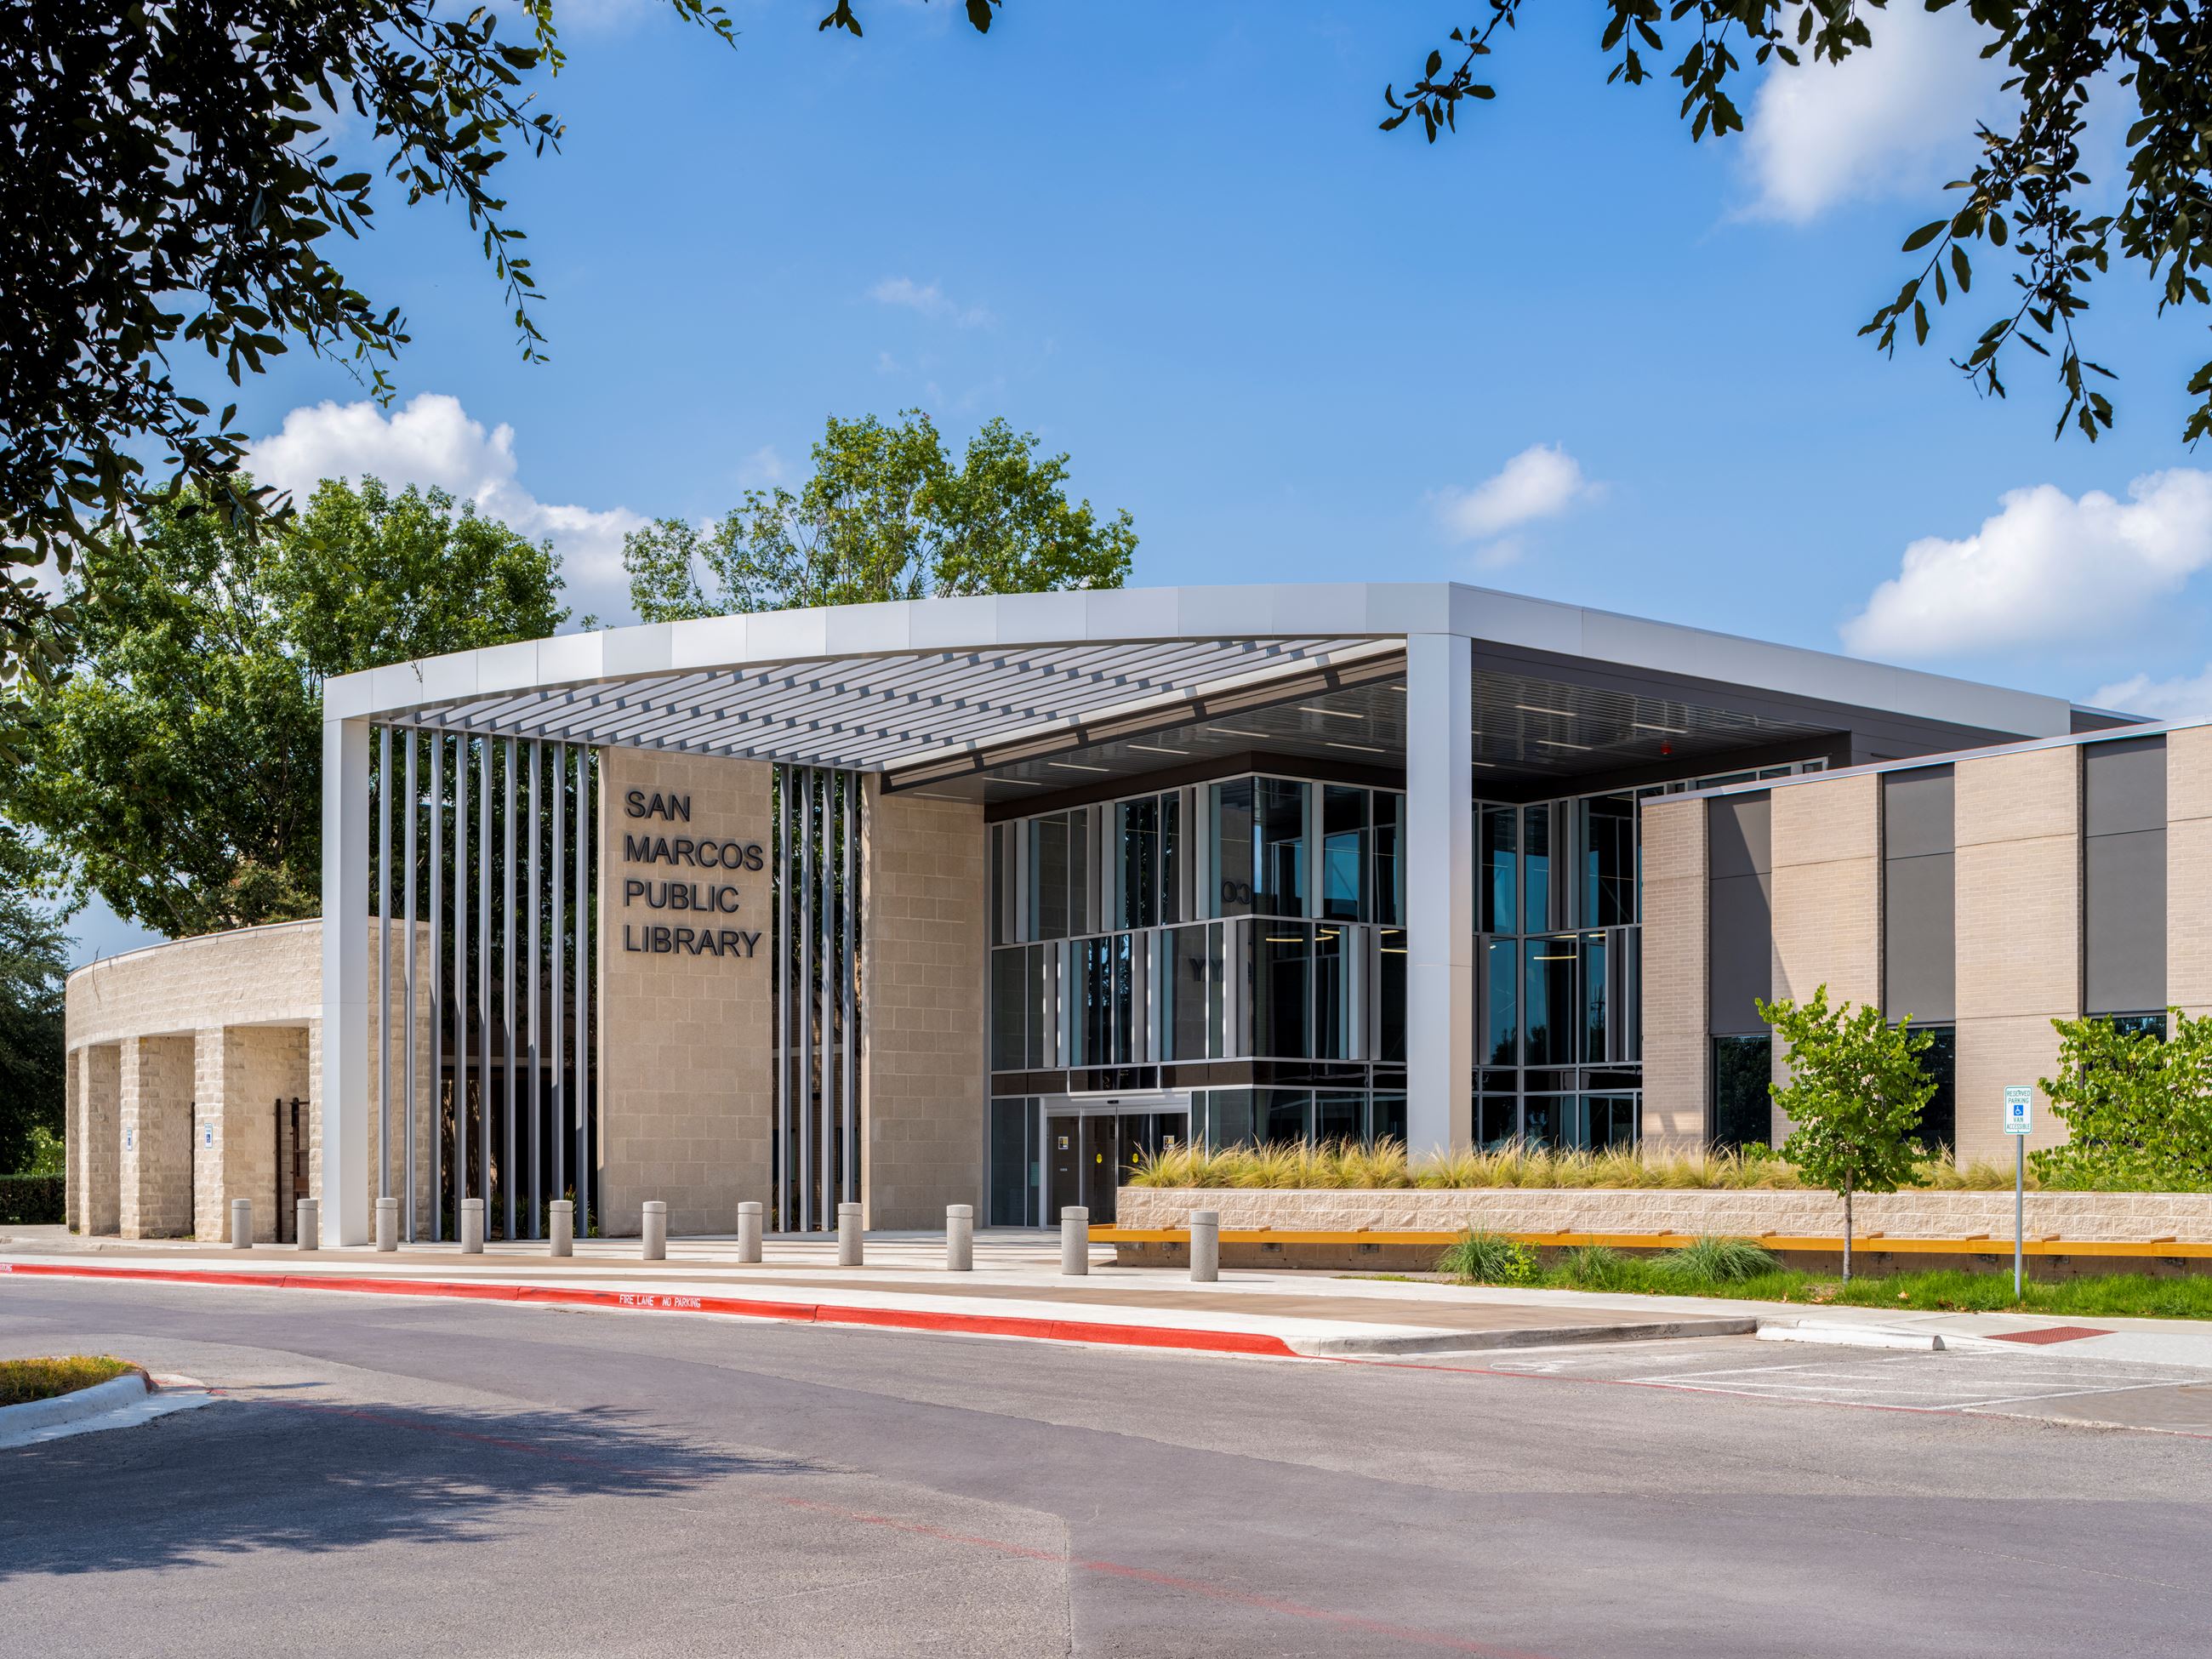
(1347, 1164)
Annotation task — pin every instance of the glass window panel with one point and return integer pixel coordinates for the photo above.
(1233, 847)
(1011, 1155)
(1230, 1117)
(1284, 1115)
(1391, 995)
(1496, 1118)
(1193, 991)
(1279, 845)
(1171, 856)
(1495, 882)
(1009, 1009)
(1340, 1117)
(1596, 993)
(999, 920)
(1548, 992)
(1501, 998)
(1138, 836)
(1388, 1116)
(1049, 875)
(1095, 972)
(1536, 869)
(1541, 1120)
(1123, 948)
(1742, 1107)
(1082, 874)
(1331, 993)
(1387, 892)
(1282, 990)
(1939, 1060)
(1605, 829)
(1344, 852)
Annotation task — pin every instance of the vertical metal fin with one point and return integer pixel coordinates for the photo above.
(559, 1115)
(536, 1054)
(411, 805)
(380, 797)
(437, 986)
(583, 993)
(510, 1171)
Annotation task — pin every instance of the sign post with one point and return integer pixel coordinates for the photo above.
(2019, 1105)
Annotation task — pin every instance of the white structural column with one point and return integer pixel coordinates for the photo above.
(345, 981)
(1439, 891)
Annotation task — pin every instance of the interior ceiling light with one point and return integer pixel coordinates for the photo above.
(1671, 730)
(1232, 732)
(1364, 748)
(1341, 713)
(1557, 742)
(1156, 748)
(1538, 708)
(1077, 766)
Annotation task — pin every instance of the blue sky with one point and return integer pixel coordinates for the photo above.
(1170, 239)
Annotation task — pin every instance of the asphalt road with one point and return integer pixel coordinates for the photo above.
(396, 1477)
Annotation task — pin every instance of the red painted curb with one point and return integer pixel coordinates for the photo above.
(907, 1319)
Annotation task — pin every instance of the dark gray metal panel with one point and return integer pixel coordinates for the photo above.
(1741, 967)
(2122, 786)
(1739, 832)
(1920, 950)
(2124, 922)
(1917, 812)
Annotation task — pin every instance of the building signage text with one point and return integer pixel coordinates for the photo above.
(700, 898)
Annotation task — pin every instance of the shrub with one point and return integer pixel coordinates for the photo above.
(34, 1201)
(2137, 1107)
(1480, 1258)
(1718, 1260)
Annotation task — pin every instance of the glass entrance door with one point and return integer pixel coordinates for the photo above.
(1092, 1149)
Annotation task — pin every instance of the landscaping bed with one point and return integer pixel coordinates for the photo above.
(22, 1381)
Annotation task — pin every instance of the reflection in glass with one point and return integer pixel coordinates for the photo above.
(1279, 846)
(1339, 1117)
(1332, 975)
(1388, 1115)
(1137, 825)
(1009, 981)
(1594, 1051)
(1282, 990)
(1049, 875)
(1387, 894)
(1233, 847)
(1549, 991)
(1495, 881)
(1343, 851)
(1171, 857)
(1606, 834)
(1390, 977)
(1285, 1115)
(1502, 1003)
(1536, 869)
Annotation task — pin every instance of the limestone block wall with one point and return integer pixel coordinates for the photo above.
(72, 1143)
(2019, 863)
(685, 1045)
(2189, 869)
(242, 1072)
(1827, 898)
(249, 977)
(2078, 1216)
(157, 1137)
(1677, 1054)
(925, 897)
(96, 1132)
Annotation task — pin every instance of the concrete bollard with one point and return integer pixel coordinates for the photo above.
(1075, 1239)
(563, 1212)
(242, 1224)
(1205, 1246)
(307, 1223)
(848, 1235)
(654, 1244)
(959, 1237)
(387, 1224)
(749, 1216)
(472, 1226)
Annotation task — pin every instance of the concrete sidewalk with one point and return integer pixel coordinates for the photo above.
(1017, 1290)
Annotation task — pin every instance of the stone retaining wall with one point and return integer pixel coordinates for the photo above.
(2117, 1217)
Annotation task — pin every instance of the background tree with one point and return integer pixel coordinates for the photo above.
(2028, 190)
(33, 958)
(2137, 1107)
(170, 178)
(176, 767)
(1855, 1093)
(887, 515)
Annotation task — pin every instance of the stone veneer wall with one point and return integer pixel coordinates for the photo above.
(2189, 869)
(180, 1050)
(2019, 863)
(1677, 1054)
(925, 909)
(2081, 1217)
(1827, 899)
(684, 1047)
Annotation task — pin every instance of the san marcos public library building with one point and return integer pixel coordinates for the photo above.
(976, 900)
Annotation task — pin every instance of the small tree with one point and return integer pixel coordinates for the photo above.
(1856, 1092)
(2137, 1109)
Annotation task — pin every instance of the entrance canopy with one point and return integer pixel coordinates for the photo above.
(1001, 697)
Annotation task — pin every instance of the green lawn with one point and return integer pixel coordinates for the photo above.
(22, 1381)
(1740, 1268)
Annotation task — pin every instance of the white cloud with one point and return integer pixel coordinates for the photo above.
(763, 469)
(2045, 568)
(1542, 482)
(2182, 699)
(1880, 123)
(431, 442)
(929, 299)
